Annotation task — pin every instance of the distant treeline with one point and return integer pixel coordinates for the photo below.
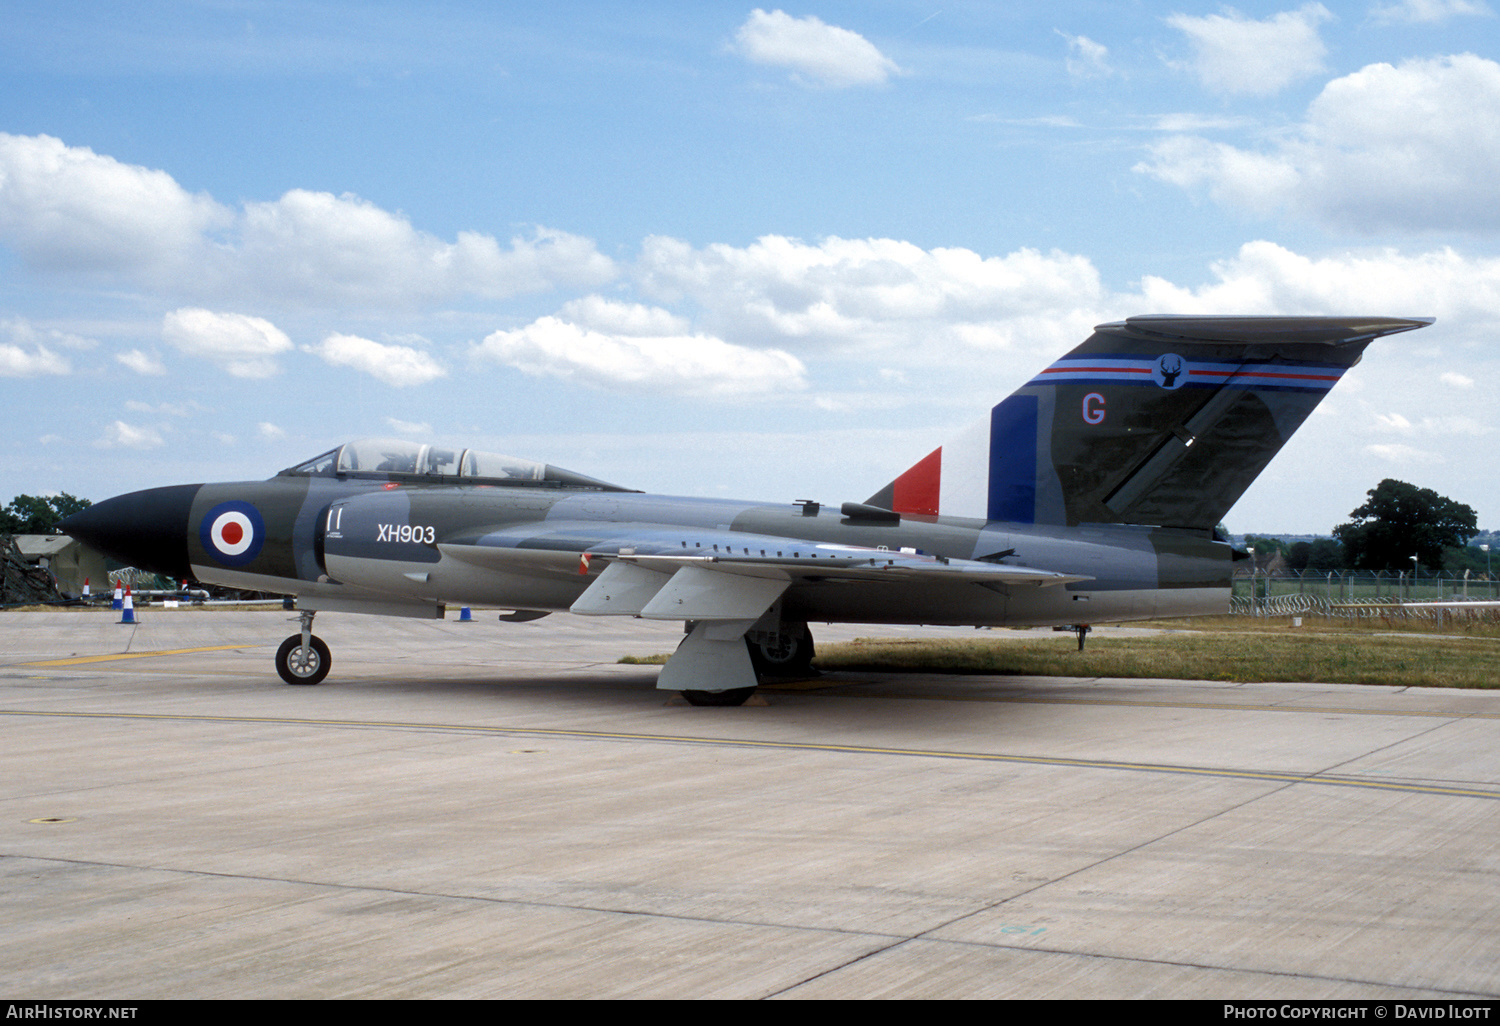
(39, 514)
(1400, 527)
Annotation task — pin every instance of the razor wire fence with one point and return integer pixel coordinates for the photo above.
(1363, 595)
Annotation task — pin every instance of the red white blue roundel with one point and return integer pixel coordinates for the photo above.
(232, 532)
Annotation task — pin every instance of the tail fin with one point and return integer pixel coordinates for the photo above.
(1154, 420)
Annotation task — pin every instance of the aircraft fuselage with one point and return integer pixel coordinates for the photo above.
(407, 548)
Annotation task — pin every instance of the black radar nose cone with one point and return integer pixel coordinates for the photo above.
(146, 529)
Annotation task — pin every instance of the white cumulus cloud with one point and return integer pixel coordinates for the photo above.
(1267, 278)
(816, 52)
(1237, 55)
(244, 346)
(1086, 58)
(67, 209)
(16, 362)
(867, 294)
(394, 364)
(127, 436)
(614, 317)
(320, 247)
(141, 362)
(22, 354)
(695, 365)
(1412, 12)
(410, 428)
(1411, 147)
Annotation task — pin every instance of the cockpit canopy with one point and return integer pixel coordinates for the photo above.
(435, 464)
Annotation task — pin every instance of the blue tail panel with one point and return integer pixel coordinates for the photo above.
(1013, 432)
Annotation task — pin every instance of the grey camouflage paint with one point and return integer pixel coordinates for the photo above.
(1119, 516)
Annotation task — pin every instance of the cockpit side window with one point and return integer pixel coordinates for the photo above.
(415, 463)
(497, 467)
(441, 461)
(319, 466)
(380, 455)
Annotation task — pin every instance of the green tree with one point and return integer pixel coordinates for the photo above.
(1319, 554)
(1457, 559)
(39, 514)
(1264, 552)
(1401, 520)
(1264, 546)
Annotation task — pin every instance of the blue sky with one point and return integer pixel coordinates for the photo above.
(724, 250)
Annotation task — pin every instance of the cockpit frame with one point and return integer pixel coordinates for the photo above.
(392, 459)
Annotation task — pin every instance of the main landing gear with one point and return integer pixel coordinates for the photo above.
(783, 654)
(303, 658)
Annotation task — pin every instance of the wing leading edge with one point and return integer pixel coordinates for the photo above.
(648, 572)
(721, 594)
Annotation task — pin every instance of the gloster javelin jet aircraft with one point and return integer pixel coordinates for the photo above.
(1090, 495)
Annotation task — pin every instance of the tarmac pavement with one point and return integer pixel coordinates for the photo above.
(504, 810)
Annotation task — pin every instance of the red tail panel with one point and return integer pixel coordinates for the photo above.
(917, 490)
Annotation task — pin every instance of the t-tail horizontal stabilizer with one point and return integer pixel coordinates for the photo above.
(1154, 420)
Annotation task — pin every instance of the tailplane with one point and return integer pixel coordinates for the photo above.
(1154, 420)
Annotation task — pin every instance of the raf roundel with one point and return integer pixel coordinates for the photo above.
(232, 533)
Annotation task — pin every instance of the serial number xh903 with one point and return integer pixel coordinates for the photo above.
(403, 532)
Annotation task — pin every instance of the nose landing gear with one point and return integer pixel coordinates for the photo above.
(304, 658)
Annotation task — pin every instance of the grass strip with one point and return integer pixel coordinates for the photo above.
(1403, 661)
(1238, 649)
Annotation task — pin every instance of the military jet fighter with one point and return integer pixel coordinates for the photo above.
(1090, 495)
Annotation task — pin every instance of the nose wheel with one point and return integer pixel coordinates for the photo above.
(299, 666)
(303, 658)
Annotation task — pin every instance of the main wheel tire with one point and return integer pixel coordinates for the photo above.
(296, 670)
(734, 696)
(790, 659)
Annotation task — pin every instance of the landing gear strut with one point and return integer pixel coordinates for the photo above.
(303, 658)
(782, 651)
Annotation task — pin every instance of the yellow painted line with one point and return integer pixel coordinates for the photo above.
(1031, 760)
(137, 655)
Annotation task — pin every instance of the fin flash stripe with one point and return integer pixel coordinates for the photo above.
(1136, 371)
